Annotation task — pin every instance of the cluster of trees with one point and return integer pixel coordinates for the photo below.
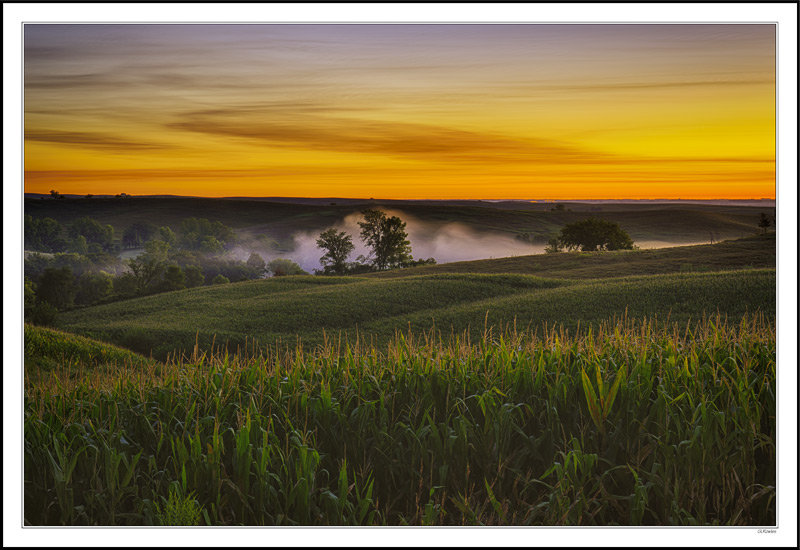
(590, 235)
(86, 236)
(385, 236)
(86, 268)
(44, 235)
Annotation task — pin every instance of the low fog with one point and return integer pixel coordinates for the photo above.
(446, 242)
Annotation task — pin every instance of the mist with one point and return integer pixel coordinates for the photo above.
(444, 241)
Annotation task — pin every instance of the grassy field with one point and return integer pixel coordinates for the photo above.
(757, 251)
(632, 424)
(309, 307)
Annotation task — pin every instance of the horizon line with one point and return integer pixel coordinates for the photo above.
(374, 199)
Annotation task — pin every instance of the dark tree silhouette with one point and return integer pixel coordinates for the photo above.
(387, 237)
(590, 235)
(338, 247)
(764, 222)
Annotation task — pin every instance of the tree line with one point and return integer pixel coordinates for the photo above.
(87, 270)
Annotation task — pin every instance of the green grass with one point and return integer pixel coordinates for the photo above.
(47, 348)
(309, 308)
(634, 423)
(750, 252)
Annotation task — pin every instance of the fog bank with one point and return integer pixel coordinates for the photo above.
(446, 242)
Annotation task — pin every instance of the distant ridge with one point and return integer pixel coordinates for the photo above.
(494, 203)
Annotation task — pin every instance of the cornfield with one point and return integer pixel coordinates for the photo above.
(627, 423)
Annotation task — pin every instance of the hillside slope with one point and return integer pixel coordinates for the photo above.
(751, 252)
(308, 308)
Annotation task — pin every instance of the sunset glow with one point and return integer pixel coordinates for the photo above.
(595, 111)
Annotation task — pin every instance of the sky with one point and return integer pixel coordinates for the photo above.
(402, 111)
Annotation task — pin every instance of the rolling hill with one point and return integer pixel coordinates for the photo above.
(570, 290)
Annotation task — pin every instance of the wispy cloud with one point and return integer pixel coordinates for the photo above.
(303, 128)
(93, 140)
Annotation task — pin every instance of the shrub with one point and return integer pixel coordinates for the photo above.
(220, 280)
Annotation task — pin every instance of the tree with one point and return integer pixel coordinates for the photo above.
(280, 267)
(94, 287)
(78, 245)
(174, 279)
(211, 245)
(593, 234)
(220, 280)
(387, 237)
(194, 276)
(553, 246)
(764, 222)
(338, 247)
(197, 233)
(148, 267)
(257, 266)
(167, 235)
(57, 287)
(138, 234)
(95, 233)
(29, 300)
(43, 234)
(126, 285)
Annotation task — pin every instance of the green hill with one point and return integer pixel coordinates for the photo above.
(47, 348)
(757, 251)
(309, 307)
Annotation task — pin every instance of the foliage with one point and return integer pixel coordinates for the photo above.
(257, 266)
(57, 288)
(126, 285)
(498, 430)
(94, 287)
(167, 235)
(419, 262)
(337, 246)
(594, 234)
(387, 237)
(174, 279)
(220, 280)
(78, 245)
(194, 276)
(35, 312)
(553, 246)
(179, 510)
(138, 234)
(280, 267)
(29, 295)
(94, 232)
(202, 234)
(43, 234)
(148, 268)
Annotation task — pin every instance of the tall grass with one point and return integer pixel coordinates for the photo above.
(629, 423)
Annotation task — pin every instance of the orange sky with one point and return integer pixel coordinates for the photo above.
(402, 111)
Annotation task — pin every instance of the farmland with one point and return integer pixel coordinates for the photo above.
(632, 424)
(633, 387)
